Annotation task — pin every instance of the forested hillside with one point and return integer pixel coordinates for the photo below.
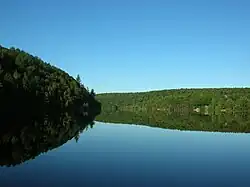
(28, 84)
(209, 100)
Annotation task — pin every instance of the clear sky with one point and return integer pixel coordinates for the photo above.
(135, 45)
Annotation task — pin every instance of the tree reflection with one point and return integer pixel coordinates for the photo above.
(28, 137)
(239, 122)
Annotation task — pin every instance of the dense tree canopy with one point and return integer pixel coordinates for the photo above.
(27, 84)
(216, 100)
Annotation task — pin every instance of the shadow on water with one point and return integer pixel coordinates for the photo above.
(22, 139)
(180, 121)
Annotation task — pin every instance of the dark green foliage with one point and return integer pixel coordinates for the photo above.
(78, 79)
(92, 92)
(229, 100)
(224, 109)
(28, 84)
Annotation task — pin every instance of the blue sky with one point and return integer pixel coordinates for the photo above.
(135, 45)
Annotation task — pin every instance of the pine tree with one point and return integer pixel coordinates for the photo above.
(78, 78)
(92, 93)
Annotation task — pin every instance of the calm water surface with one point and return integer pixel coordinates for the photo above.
(133, 155)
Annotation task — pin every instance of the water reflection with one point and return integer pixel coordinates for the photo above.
(240, 122)
(28, 137)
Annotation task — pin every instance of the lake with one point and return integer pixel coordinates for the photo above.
(134, 155)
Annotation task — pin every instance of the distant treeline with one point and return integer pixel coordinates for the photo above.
(207, 100)
(28, 84)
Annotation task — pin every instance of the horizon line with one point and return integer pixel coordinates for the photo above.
(170, 89)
